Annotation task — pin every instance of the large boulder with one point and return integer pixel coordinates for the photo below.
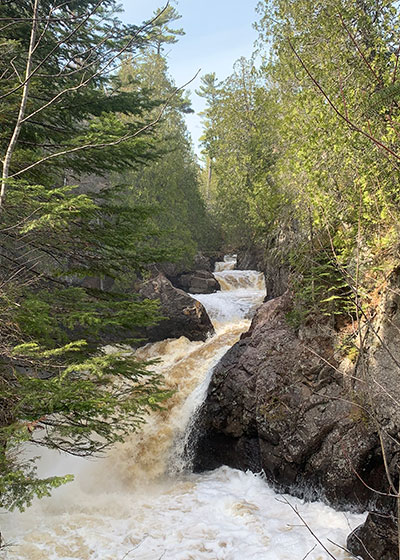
(279, 402)
(199, 262)
(195, 279)
(184, 316)
(198, 282)
(376, 539)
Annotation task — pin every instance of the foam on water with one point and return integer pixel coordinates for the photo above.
(229, 263)
(225, 514)
(139, 503)
(242, 291)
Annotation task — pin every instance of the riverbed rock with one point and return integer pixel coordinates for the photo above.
(278, 402)
(196, 278)
(198, 282)
(376, 539)
(199, 262)
(184, 315)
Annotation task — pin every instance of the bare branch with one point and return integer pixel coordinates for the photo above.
(345, 549)
(84, 82)
(22, 108)
(359, 50)
(73, 32)
(309, 552)
(15, 69)
(286, 501)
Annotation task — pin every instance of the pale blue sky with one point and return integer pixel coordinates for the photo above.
(218, 32)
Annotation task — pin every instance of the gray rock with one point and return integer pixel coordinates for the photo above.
(184, 315)
(380, 370)
(376, 539)
(197, 282)
(267, 260)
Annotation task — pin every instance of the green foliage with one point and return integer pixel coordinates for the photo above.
(238, 145)
(58, 387)
(161, 34)
(305, 153)
(72, 99)
(71, 259)
(320, 285)
(333, 74)
(169, 184)
(19, 483)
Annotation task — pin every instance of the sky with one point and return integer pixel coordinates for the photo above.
(218, 32)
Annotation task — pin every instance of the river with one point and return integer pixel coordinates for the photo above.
(141, 503)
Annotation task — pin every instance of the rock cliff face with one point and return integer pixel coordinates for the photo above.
(184, 315)
(379, 370)
(277, 402)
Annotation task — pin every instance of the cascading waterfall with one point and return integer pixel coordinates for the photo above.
(139, 503)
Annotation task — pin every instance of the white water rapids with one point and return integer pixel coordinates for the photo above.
(140, 504)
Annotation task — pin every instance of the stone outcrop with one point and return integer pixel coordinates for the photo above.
(278, 403)
(184, 316)
(378, 375)
(250, 258)
(198, 282)
(197, 279)
(282, 401)
(376, 539)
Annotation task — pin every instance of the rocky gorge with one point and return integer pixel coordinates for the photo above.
(319, 423)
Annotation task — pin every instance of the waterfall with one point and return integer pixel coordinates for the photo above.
(139, 503)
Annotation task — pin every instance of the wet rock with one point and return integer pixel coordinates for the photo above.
(196, 278)
(198, 282)
(184, 315)
(250, 258)
(277, 403)
(376, 539)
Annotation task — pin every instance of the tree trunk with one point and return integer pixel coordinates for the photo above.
(22, 107)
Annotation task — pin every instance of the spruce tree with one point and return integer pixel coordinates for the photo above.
(69, 259)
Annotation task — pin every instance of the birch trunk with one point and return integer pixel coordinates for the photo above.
(22, 107)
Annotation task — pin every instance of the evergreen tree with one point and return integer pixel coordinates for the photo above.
(59, 109)
(69, 261)
(171, 182)
(238, 144)
(162, 34)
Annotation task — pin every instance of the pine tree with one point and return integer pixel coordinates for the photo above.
(171, 182)
(70, 260)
